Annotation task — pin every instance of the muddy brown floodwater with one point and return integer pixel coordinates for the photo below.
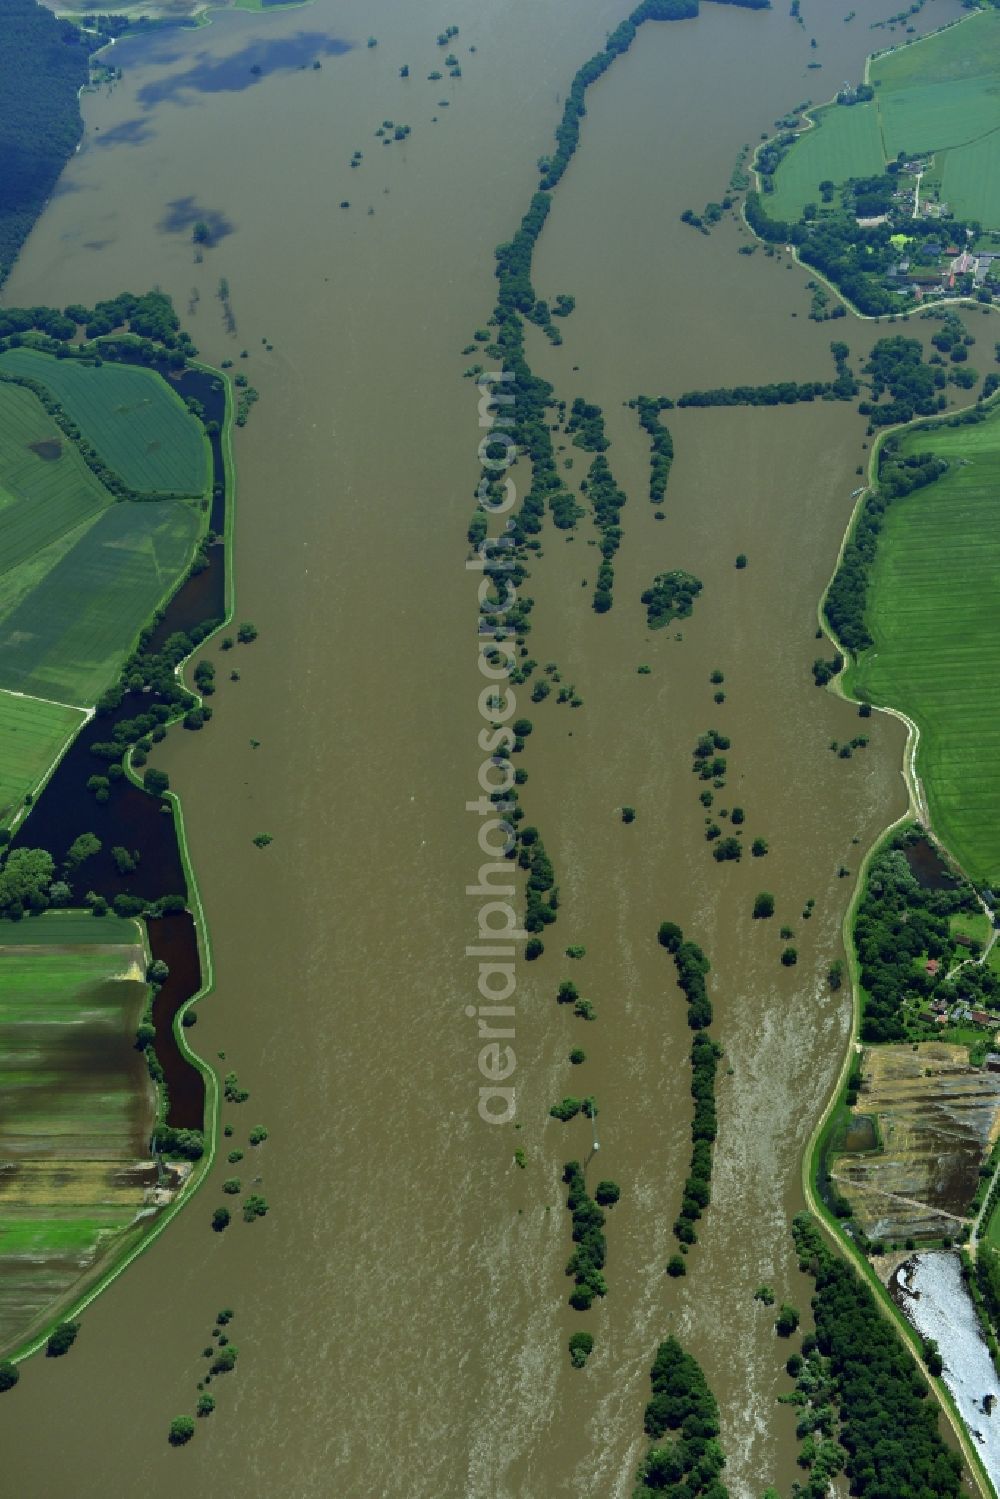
(401, 1313)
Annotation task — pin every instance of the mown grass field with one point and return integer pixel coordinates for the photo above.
(138, 424)
(844, 142)
(67, 636)
(932, 613)
(32, 735)
(75, 1106)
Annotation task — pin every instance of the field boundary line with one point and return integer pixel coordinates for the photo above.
(32, 697)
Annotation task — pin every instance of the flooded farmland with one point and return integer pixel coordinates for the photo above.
(407, 1289)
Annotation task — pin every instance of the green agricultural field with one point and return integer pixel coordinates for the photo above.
(932, 614)
(33, 735)
(76, 1108)
(844, 142)
(940, 94)
(80, 574)
(937, 115)
(970, 179)
(69, 929)
(67, 637)
(136, 421)
(46, 489)
(969, 50)
(944, 92)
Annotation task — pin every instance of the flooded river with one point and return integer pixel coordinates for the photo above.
(401, 1313)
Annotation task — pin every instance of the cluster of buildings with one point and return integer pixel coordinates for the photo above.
(950, 267)
(958, 1013)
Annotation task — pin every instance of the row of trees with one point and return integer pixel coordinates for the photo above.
(586, 1264)
(526, 418)
(606, 500)
(887, 1426)
(692, 966)
(661, 443)
(542, 894)
(149, 316)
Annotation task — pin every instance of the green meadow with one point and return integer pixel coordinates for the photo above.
(67, 637)
(934, 116)
(932, 613)
(69, 929)
(77, 1105)
(844, 142)
(80, 574)
(971, 176)
(138, 424)
(46, 489)
(940, 94)
(953, 55)
(32, 736)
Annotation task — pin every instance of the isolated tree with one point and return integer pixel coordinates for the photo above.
(181, 1431)
(25, 880)
(62, 1339)
(763, 906)
(670, 936)
(580, 1347)
(786, 1321)
(156, 781)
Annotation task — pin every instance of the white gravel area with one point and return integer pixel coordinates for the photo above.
(930, 1290)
